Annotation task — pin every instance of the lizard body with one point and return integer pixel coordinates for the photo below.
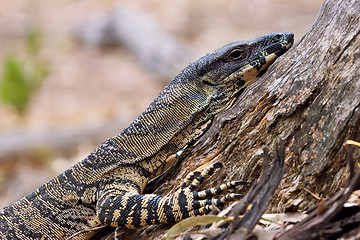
(106, 187)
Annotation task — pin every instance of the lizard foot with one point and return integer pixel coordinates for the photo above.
(135, 210)
(187, 201)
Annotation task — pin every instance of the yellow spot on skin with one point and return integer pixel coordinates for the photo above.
(269, 60)
(249, 74)
(161, 214)
(128, 223)
(116, 215)
(94, 221)
(144, 216)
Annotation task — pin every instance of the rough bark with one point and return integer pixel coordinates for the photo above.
(310, 98)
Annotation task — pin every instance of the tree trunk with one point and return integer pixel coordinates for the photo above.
(310, 98)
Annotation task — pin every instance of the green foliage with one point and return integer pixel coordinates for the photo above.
(33, 41)
(20, 79)
(17, 84)
(193, 221)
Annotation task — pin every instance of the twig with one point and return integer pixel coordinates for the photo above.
(259, 196)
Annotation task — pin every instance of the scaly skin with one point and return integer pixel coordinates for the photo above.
(106, 187)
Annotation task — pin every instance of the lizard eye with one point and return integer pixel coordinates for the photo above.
(235, 54)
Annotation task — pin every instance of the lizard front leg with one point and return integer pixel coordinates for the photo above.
(133, 210)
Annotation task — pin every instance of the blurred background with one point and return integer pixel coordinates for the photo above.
(73, 73)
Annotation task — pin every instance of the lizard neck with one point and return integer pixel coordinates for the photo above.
(175, 109)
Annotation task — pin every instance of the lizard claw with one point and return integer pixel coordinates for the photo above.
(191, 202)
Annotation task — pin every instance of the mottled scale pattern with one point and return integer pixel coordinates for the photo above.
(106, 188)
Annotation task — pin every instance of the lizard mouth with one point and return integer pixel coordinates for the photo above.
(249, 73)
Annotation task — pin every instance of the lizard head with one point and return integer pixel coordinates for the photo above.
(228, 70)
(184, 109)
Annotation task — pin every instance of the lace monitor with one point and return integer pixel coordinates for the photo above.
(106, 188)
